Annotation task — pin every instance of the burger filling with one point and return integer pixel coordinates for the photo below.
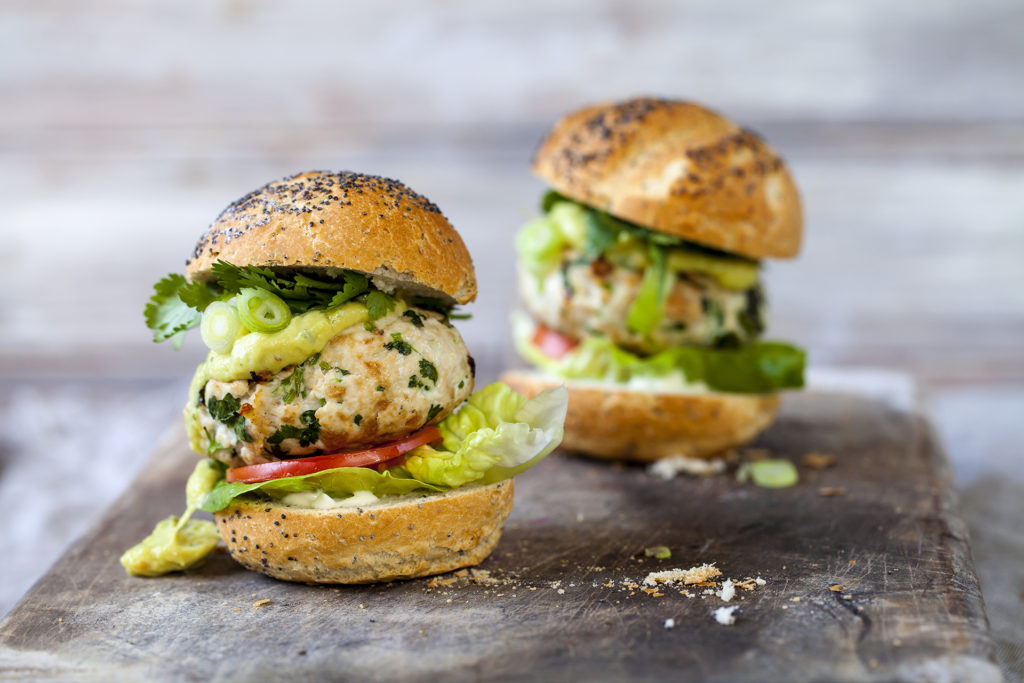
(631, 305)
(370, 384)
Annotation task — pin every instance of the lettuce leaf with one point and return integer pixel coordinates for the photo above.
(495, 435)
(755, 368)
(339, 483)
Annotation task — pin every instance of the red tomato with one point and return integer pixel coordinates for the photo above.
(371, 457)
(552, 343)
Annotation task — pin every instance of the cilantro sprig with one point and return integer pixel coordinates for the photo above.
(176, 305)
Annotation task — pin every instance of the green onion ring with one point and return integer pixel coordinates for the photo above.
(262, 311)
(221, 326)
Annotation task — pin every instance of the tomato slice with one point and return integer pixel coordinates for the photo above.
(371, 457)
(551, 343)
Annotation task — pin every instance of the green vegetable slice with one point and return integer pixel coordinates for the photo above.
(648, 308)
(770, 473)
(221, 326)
(262, 311)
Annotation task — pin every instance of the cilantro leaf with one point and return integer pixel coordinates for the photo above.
(166, 314)
(355, 284)
(198, 295)
(600, 231)
(379, 304)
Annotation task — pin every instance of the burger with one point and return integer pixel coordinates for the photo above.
(340, 434)
(641, 281)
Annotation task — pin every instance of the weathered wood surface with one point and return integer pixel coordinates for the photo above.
(560, 607)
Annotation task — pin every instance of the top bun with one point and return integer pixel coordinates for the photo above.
(326, 220)
(676, 168)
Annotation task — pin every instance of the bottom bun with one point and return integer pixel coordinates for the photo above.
(401, 538)
(606, 421)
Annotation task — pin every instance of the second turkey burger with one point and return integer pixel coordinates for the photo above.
(642, 280)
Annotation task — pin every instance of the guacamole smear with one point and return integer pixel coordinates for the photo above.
(178, 543)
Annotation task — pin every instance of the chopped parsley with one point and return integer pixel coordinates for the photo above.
(416, 383)
(434, 410)
(358, 419)
(428, 370)
(369, 326)
(308, 434)
(462, 383)
(414, 317)
(292, 386)
(380, 387)
(399, 344)
(226, 410)
(325, 366)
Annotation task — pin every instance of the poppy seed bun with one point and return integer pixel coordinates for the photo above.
(413, 536)
(342, 220)
(605, 421)
(676, 168)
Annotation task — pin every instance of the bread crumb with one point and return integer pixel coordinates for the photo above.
(728, 591)
(831, 492)
(818, 461)
(725, 616)
(462, 572)
(852, 562)
(797, 599)
(688, 577)
(759, 581)
(261, 603)
(669, 468)
(362, 606)
(561, 591)
(837, 588)
(670, 623)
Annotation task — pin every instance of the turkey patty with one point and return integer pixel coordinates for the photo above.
(366, 386)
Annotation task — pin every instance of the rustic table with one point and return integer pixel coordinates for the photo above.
(125, 129)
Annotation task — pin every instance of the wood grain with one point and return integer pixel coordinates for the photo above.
(559, 606)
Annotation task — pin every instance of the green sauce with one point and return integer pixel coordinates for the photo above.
(176, 545)
(256, 352)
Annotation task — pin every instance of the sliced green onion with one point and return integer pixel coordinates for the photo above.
(770, 473)
(221, 326)
(262, 311)
(648, 308)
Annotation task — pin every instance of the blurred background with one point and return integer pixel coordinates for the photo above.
(126, 127)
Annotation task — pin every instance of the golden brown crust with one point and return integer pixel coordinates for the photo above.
(677, 168)
(342, 220)
(621, 424)
(415, 536)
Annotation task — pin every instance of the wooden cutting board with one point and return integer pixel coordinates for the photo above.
(561, 596)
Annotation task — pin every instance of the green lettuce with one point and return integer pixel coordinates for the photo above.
(755, 368)
(495, 435)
